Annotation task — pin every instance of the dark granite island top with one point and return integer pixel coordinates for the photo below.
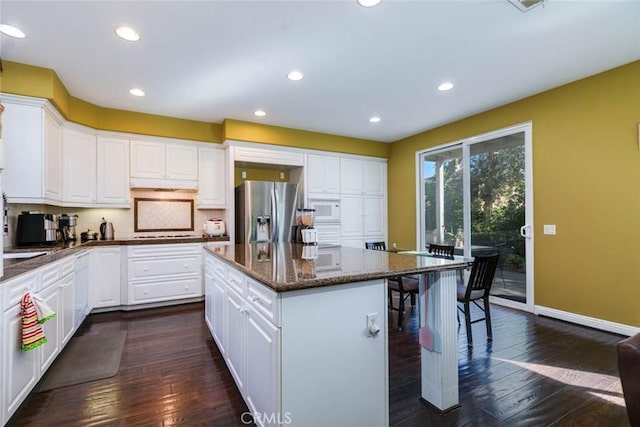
(293, 266)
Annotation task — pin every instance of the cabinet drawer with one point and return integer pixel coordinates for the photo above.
(49, 275)
(136, 251)
(12, 291)
(166, 290)
(264, 300)
(236, 281)
(67, 266)
(161, 267)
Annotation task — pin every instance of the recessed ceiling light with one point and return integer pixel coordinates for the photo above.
(128, 34)
(368, 3)
(374, 119)
(136, 92)
(11, 31)
(445, 86)
(295, 75)
(260, 113)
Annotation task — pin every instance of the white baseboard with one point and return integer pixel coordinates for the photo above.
(592, 322)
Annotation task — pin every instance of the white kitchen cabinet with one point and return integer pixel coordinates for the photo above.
(81, 281)
(78, 167)
(112, 180)
(212, 178)
(375, 213)
(323, 174)
(53, 164)
(262, 367)
(351, 215)
(236, 331)
(21, 368)
(160, 160)
(208, 299)
(328, 234)
(105, 273)
(32, 141)
(164, 272)
(182, 162)
(219, 301)
(351, 176)
(51, 329)
(374, 175)
(67, 308)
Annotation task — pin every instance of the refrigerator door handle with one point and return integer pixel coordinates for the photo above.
(274, 215)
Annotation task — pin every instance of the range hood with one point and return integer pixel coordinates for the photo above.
(162, 184)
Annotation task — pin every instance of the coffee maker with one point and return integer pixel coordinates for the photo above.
(36, 227)
(67, 227)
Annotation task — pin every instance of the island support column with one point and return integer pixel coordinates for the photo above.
(439, 339)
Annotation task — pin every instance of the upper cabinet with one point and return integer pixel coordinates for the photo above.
(323, 174)
(163, 165)
(112, 187)
(31, 138)
(211, 178)
(78, 167)
(363, 177)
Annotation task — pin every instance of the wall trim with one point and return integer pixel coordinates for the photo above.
(592, 322)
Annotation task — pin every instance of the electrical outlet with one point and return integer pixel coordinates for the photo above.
(244, 174)
(549, 229)
(281, 175)
(372, 324)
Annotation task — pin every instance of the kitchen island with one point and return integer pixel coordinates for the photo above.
(303, 330)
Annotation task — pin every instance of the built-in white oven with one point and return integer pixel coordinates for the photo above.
(327, 209)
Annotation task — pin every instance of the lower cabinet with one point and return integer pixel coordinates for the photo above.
(105, 272)
(236, 332)
(164, 272)
(21, 370)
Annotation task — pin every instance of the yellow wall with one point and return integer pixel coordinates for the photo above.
(586, 179)
(28, 80)
(258, 175)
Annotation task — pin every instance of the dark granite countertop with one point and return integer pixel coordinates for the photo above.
(59, 250)
(284, 267)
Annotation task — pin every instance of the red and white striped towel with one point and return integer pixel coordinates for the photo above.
(32, 334)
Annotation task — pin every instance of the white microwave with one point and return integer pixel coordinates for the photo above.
(327, 210)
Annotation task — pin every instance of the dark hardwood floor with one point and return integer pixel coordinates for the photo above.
(536, 372)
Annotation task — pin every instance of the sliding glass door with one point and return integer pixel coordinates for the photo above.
(476, 196)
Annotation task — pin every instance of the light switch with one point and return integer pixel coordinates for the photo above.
(281, 175)
(550, 229)
(244, 174)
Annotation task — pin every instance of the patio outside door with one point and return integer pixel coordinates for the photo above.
(476, 196)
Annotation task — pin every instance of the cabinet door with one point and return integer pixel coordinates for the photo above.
(323, 174)
(79, 167)
(236, 327)
(374, 178)
(375, 212)
(208, 299)
(21, 371)
(219, 318)
(352, 215)
(182, 162)
(105, 271)
(332, 174)
(263, 368)
(351, 176)
(212, 178)
(52, 159)
(147, 159)
(67, 308)
(51, 329)
(112, 171)
(22, 131)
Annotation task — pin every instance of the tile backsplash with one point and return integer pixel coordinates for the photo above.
(122, 219)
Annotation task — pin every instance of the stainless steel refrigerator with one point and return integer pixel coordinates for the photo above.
(265, 211)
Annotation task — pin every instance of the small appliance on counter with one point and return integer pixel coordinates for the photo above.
(88, 235)
(36, 227)
(214, 227)
(107, 231)
(67, 227)
(303, 231)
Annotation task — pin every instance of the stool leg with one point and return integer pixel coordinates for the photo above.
(487, 317)
(467, 321)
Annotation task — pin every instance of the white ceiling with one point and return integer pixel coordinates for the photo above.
(211, 60)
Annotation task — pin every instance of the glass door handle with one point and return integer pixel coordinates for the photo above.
(525, 231)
